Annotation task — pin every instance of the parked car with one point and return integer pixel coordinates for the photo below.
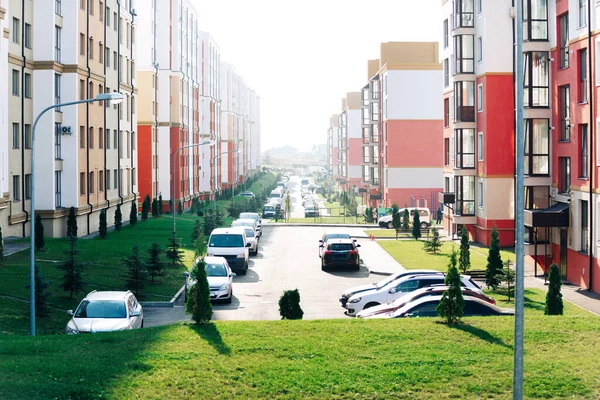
(311, 211)
(424, 217)
(106, 312)
(340, 252)
(269, 210)
(399, 288)
(436, 290)
(251, 223)
(332, 235)
(256, 217)
(427, 307)
(230, 243)
(252, 239)
(220, 279)
(250, 195)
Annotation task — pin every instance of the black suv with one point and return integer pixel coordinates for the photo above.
(342, 252)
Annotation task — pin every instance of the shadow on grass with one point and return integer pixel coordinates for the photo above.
(481, 334)
(211, 334)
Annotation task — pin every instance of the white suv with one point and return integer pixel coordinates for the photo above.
(398, 288)
(106, 312)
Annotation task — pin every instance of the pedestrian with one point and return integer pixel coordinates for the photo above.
(440, 215)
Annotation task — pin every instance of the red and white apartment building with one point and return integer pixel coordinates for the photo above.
(332, 146)
(349, 160)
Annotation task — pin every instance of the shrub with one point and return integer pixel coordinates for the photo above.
(416, 228)
(396, 216)
(179, 207)
(160, 205)
(452, 304)
(40, 241)
(289, 305)
(435, 244)
(72, 223)
(494, 262)
(464, 260)
(42, 296)
(155, 266)
(174, 252)
(554, 303)
(154, 208)
(103, 228)
(118, 218)
(136, 273)
(72, 279)
(133, 214)
(145, 208)
(508, 278)
(196, 230)
(406, 219)
(198, 299)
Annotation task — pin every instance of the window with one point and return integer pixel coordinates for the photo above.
(101, 181)
(563, 28)
(446, 112)
(28, 187)
(464, 147)
(57, 142)
(27, 35)
(445, 34)
(583, 151)
(565, 113)
(465, 195)
(101, 53)
(100, 138)
(535, 19)
(91, 2)
(479, 49)
(115, 19)
(107, 16)
(15, 82)
(537, 79)
(447, 184)
(107, 139)
(108, 179)
(57, 189)
(16, 136)
(133, 176)
(27, 133)
(582, 13)
(537, 147)
(16, 30)
(115, 60)
(479, 6)
(81, 89)
(57, 43)
(82, 4)
(91, 49)
(480, 194)
(464, 101)
(464, 61)
(480, 146)
(16, 187)
(115, 139)
(463, 13)
(91, 137)
(479, 97)
(115, 178)
(565, 174)
(583, 76)
(82, 137)
(58, 7)
(91, 182)
(101, 12)
(81, 44)
(446, 73)
(82, 183)
(446, 151)
(27, 88)
(583, 206)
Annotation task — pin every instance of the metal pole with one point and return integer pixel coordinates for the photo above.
(519, 213)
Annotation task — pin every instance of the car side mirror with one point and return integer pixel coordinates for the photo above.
(321, 245)
(70, 312)
(357, 245)
(394, 290)
(248, 244)
(233, 274)
(135, 314)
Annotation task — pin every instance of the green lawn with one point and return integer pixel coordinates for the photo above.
(368, 359)
(411, 255)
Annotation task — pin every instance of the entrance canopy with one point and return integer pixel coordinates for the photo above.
(556, 216)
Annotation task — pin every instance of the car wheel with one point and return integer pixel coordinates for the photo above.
(390, 225)
(228, 300)
(141, 326)
(369, 305)
(357, 266)
(323, 266)
(424, 225)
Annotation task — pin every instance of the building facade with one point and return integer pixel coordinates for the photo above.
(349, 142)
(5, 176)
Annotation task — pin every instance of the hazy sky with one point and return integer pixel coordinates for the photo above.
(303, 57)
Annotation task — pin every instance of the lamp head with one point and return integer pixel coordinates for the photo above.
(208, 142)
(113, 98)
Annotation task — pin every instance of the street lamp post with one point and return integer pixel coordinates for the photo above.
(215, 167)
(174, 197)
(113, 98)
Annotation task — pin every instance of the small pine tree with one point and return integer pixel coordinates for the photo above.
(289, 305)
(174, 252)
(435, 244)
(464, 260)
(160, 205)
(155, 266)
(103, 227)
(198, 299)
(1, 246)
(72, 223)
(196, 230)
(200, 246)
(494, 262)
(416, 228)
(508, 278)
(154, 208)
(40, 241)
(72, 279)
(219, 217)
(179, 207)
(133, 214)
(452, 304)
(42, 296)
(194, 206)
(145, 208)
(118, 218)
(209, 223)
(396, 216)
(554, 303)
(406, 219)
(136, 273)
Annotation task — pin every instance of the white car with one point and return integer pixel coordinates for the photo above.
(397, 289)
(251, 239)
(220, 279)
(246, 222)
(255, 217)
(106, 312)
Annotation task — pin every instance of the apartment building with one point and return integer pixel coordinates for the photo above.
(371, 154)
(332, 146)
(5, 196)
(478, 119)
(85, 154)
(349, 159)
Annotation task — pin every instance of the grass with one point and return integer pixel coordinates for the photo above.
(385, 233)
(410, 254)
(382, 359)
(326, 220)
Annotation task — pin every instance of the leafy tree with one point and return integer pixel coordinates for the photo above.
(155, 266)
(452, 304)
(174, 252)
(42, 296)
(133, 214)
(198, 299)
(160, 205)
(416, 228)
(196, 230)
(1, 246)
(145, 208)
(494, 262)
(289, 305)
(179, 207)
(72, 223)
(396, 216)
(118, 218)
(406, 219)
(464, 260)
(154, 208)
(72, 279)
(40, 241)
(508, 278)
(554, 303)
(103, 228)
(136, 273)
(435, 244)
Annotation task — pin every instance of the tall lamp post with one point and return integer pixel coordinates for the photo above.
(112, 98)
(215, 167)
(174, 197)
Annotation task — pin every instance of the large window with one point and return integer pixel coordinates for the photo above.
(583, 206)
(563, 29)
(565, 113)
(536, 197)
(57, 142)
(582, 15)
(583, 151)
(27, 186)
(464, 147)
(57, 82)
(480, 146)
(537, 147)
(565, 174)
(57, 189)
(463, 13)
(537, 79)
(535, 19)
(16, 187)
(445, 34)
(446, 151)
(446, 73)
(57, 43)
(446, 112)
(464, 54)
(465, 195)
(583, 76)
(464, 101)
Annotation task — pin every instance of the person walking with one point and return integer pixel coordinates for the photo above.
(440, 215)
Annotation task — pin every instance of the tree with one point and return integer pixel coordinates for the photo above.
(198, 299)
(160, 205)
(179, 207)
(289, 305)
(194, 206)
(72, 279)
(416, 228)
(554, 303)
(395, 216)
(133, 214)
(508, 278)
(209, 223)
(72, 223)
(368, 215)
(136, 273)
(1, 246)
(219, 217)
(494, 262)
(145, 208)
(464, 260)
(118, 218)
(42, 296)
(174, 252)
(196, 230)
(452, 304)
(40, 241)
(103, 228)
(435, 244)
(288, 204)
(406, 219)
(155, 266)
(200, 246)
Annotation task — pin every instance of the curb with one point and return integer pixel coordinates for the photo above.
(164, 304)
(316, 224)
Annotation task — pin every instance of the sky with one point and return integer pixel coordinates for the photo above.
(303, 57)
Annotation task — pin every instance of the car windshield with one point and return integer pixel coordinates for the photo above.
(249, 232)
(269, 208)
(226, 240)
(341, 247)
(216, 270)
(101, 309)
(336, 236)
(249, 216)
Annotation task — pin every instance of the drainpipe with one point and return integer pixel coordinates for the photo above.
(155, 99)
(120, 104)
(104, 110)
(591, 243)
(87, 119)
(515, 83)
(131, 104)
(24, 209)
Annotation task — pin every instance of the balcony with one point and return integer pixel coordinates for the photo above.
(446, 197)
